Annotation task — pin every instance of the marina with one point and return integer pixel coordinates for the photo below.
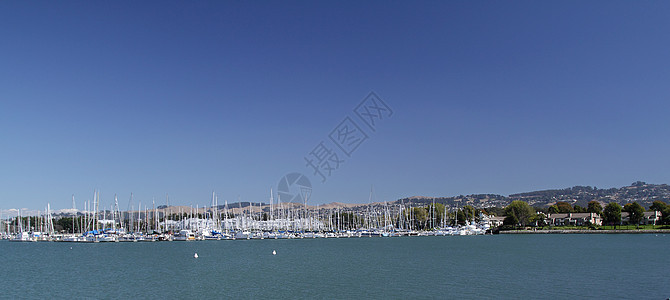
(225, 150)
(276, 220)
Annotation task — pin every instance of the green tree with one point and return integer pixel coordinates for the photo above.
(470, 212)
(65, 224)
(635, 213)
(420, 217)
(438, 212)
(553, 209)
(665, 214)
(519, 213)
(579, 209)
(466, 214)
(612, 214)
(664, 209)
(658, 206)
(460, 216)
(539, 219)
(594, 207)
(564, 207)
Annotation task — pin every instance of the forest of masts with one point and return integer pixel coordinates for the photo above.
(263, 217)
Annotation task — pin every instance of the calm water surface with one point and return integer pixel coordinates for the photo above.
(635, 266)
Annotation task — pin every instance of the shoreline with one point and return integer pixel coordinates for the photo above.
(583, 231)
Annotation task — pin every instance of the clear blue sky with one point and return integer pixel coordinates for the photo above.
(157, 97)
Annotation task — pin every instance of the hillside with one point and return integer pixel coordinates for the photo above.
(642, 192)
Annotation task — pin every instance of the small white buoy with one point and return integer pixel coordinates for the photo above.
(70, 248)
(195, 255)
(274, 252)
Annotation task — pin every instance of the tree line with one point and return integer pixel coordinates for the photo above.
(520, 213)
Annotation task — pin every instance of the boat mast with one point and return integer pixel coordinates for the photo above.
(19, 221)
(139, 216)
(154, 224)
(271, 204)
(94, 225)
(225, 211)
(167, 203)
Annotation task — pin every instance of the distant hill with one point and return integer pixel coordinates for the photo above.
(476, 200)
(639, 191)
(645, 194)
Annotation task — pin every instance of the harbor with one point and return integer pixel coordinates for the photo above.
(275, 220)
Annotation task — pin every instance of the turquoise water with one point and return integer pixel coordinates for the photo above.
(502, 266)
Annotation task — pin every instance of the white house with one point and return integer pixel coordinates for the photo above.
(574, 219)
(650, 218)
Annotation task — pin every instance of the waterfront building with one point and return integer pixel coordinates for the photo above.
(650, 218)
(574, 219)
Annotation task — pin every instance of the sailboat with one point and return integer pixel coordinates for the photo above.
(21, 236)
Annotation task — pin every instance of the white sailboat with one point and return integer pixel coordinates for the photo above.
(21, 236)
